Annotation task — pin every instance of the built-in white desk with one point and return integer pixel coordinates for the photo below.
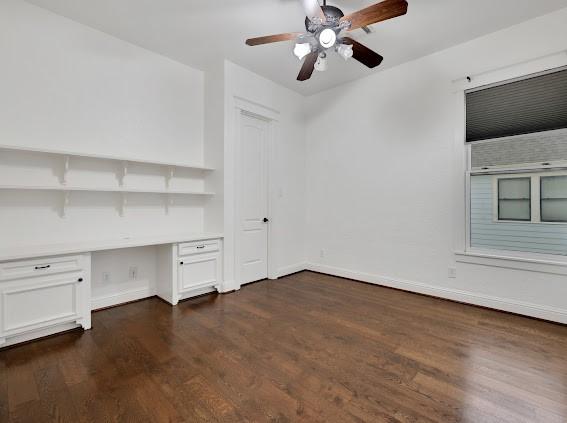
(45, 289)
(20, 253)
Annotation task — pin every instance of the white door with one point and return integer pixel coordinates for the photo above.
(253, 199)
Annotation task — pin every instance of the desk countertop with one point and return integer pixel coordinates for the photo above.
(32, 251)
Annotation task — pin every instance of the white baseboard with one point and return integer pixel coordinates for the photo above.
(512, 306)
(122, 297)
(294, 268)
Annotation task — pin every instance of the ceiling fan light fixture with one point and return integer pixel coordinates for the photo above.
(301, 50)
(321, 63)
(327, 38)
(345, 51)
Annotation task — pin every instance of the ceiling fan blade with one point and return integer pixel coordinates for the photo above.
(363, 54)
(272, 38)
(379, 12)
(308, 66)
(313, 10)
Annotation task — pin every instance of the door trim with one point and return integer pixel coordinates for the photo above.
(270, 116)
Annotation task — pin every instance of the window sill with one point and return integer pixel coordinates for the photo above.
(518, 261)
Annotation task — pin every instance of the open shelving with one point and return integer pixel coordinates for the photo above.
(65, 188)
(123, 190)
(69, 154)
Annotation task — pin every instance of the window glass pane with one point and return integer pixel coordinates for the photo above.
(514, 188)
(554, 210)
(553, 187)
(554, 199)
(514, 210)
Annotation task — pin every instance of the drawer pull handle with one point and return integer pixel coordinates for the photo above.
(80, 280)
(42, 267)
(200, 247)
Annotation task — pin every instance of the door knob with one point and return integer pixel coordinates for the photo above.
(266, 220)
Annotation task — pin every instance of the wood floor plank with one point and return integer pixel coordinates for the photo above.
(305, 348)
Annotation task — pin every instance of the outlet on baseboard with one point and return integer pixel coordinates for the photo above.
(105, 277)
(133, 273)
(452, 272)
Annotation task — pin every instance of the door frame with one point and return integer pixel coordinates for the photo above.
(249, 108)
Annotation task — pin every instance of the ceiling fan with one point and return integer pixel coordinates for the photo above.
(325, 27)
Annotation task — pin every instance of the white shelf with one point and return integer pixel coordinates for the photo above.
(122, 175)
(107, 157)
(65, 190)
(31, 251)
(124, 190)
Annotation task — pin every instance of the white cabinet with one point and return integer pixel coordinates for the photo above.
(43, 296)
(189, 269)
(198, 272)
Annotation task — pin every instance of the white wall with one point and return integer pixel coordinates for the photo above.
(214, 146)
(68, 86)
(289, 184)
(65, 86)
(120, 286)
(382, 167)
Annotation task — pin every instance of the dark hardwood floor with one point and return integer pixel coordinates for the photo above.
(305, 348)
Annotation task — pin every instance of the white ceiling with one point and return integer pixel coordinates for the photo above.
(200, 33)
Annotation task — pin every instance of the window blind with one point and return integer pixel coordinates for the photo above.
(534, 104)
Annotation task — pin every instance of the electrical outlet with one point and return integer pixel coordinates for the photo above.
(322, 254)
(133, 273)
(452, 272)
(105, 277)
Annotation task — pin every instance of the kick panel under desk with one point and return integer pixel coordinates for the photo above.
(47, 289)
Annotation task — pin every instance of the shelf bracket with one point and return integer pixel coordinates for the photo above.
(168, 202)
(64, 203)
(65, 171)
(124, 173)
(169, 176)
(123, 203)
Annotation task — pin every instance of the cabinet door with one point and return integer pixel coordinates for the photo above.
(198, 272)
(32, 304)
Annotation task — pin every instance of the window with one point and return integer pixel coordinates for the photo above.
(524, 212)
(553, 194)
(516, 138)
(514, 199)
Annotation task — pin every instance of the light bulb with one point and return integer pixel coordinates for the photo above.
(345, 51)
(321, 63)
(327, 38)
(301, 50)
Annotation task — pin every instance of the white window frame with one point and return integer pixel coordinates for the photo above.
(496, 197)
(535, 196)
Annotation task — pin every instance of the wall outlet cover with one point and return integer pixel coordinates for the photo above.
(452, 272)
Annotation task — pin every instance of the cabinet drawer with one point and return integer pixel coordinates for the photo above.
(39, 267)
(198, 247)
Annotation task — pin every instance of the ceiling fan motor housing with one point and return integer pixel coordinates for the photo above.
(333, 15)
